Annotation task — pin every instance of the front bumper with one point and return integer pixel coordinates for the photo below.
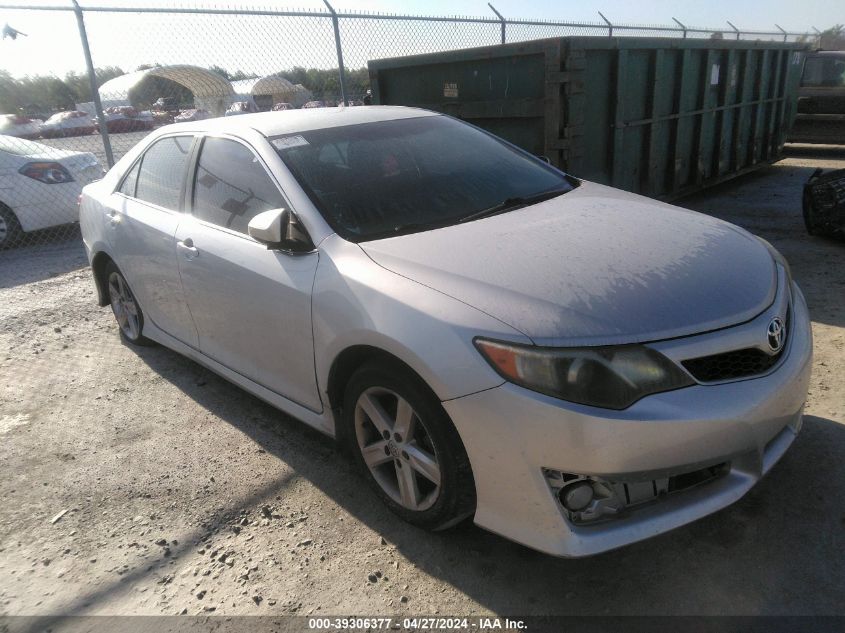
(40, 206)
(512, 434)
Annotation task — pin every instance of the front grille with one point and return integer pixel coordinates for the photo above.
(739, 363)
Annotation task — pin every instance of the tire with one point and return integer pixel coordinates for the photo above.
(433, 496)
(11, 233)
(809, 219)
(127, 312)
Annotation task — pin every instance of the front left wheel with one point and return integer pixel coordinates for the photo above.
(407, 447)
(127, 312)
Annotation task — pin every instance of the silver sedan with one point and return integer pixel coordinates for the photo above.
(575, 367)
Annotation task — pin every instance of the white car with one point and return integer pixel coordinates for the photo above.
(69, 123)
(40, 186)
(241, 107)
(20, 126)
(575, 366)
(194, 114)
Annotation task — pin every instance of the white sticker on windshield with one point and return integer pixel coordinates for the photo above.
(288, 141)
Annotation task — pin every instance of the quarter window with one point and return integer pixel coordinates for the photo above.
(128, 186)
(231, 185)
(162, 171)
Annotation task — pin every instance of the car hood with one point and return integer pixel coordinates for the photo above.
(594, 266)
(62, 156)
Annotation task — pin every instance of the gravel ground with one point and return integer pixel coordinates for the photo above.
(136, 482)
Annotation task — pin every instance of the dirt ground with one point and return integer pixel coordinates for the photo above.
(136, 482)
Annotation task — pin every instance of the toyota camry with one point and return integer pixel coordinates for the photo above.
(574, 367)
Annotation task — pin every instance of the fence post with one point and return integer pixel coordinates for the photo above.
(782, 31)
(341, 70)
(501, 19)
(736, 30)
(92, 81)
(684, 28)
(609, 25)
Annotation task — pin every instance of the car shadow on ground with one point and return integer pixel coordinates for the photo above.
(42, 255)
(776, 551)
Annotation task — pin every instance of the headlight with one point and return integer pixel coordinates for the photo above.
(48, 173)
(609, 377)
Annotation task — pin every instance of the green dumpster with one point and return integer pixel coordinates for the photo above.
(657, 116)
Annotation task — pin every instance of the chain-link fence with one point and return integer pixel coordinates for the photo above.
(80, 86)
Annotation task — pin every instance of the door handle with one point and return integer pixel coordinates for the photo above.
(188, 249)
(114, 218)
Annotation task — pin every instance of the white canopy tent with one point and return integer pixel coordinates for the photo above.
(211, 91)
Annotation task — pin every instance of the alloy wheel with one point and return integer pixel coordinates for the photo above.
(124, 306)
(397, 448)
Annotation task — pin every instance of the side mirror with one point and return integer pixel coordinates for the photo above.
(266, 227)
(279, 228)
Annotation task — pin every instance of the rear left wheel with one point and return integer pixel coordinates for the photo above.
(127, 312)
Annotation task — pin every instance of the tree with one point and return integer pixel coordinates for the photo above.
(833, 39)
(220, 71)
(10, 98)
(235, 76)
(81, 87)
(324, 83)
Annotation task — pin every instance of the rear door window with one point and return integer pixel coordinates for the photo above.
(163, 171)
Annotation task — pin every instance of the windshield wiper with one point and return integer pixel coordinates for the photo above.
(509, 204)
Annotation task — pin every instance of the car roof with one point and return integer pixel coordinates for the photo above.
(282, 122)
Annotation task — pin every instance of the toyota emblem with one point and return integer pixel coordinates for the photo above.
(775, 334)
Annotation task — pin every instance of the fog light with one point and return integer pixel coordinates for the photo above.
(577, 496)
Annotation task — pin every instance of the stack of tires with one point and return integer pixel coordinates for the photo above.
(824, 203)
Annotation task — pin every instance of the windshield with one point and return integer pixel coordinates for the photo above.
(824, 71)
(385, 178)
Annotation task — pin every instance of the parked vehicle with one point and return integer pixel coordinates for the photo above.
(19, 126)
(192, 115)
(69, 123)
(166, 104)
(576, 367)
(127, 119)
(241, 107)
(314, 104)
(161, 118)
(821, 100)
(281, 106)
(40, 186)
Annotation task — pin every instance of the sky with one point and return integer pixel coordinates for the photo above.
(264, 45)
